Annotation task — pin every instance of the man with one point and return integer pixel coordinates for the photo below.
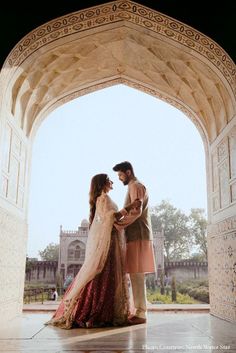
(54, 295)
(139, 239)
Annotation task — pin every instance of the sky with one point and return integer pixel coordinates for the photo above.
(91, 134)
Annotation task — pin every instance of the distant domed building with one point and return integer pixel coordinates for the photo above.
(72, 249)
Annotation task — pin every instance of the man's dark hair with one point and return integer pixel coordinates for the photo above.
(123, 167)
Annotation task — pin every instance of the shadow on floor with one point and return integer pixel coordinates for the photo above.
(164, 332)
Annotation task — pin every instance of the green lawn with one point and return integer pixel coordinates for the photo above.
(156, 296)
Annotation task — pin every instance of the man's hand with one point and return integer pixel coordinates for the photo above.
(136, 204)
(118, 216)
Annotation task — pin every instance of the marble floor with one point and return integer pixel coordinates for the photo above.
(164, 333)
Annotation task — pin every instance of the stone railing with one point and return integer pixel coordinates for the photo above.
(185, 263)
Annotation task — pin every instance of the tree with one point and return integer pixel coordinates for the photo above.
(173, 290)
(174, 222)
(162, 282)
(50, 253)
(28, 267)
(198, 227)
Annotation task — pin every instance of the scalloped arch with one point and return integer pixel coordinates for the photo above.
(120, 42)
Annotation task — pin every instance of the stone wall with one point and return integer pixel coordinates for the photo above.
(186, 270)
(41, 272)
(45, 271)
(13, 240)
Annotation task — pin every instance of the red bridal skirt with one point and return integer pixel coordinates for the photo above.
(96, 304)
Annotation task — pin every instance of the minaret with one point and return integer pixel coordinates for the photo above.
(59, 258)
(158, 242)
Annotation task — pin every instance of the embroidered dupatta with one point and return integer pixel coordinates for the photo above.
(97, 248)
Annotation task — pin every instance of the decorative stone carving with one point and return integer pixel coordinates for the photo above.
(13, 168)
(222, 260)
(227, 225)
(22, 166)
(223, 172)
(76, 54)
(13, 179)
(132, 13)
(224, 184)
(6, 148)
(215, 175)
(223, 150)
(216, 202)
(230, 250)
(233, 192)
(232, 150)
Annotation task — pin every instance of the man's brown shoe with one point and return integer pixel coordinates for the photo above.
(135, 320)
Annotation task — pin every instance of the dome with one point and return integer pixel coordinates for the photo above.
(84, 223)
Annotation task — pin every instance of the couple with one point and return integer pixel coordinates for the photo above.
(119, 242)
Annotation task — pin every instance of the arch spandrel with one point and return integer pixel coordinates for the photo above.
(120, 52)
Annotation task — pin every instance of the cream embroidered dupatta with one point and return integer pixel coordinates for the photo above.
(97, 248)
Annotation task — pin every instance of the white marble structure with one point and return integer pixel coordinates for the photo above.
(118, 42)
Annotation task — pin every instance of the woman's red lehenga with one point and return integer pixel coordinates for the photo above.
(96, 305)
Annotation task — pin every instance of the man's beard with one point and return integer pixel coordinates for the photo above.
(126, 182)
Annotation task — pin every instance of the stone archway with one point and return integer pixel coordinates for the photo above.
(118, 42)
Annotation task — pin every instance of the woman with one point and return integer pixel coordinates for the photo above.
(98, 296)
